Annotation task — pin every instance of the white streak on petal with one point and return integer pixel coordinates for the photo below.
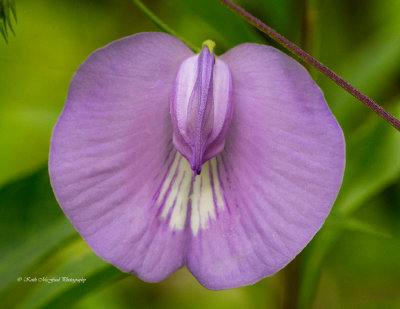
(174, 193)
(178, 216)
(204, 204)
(205, 199)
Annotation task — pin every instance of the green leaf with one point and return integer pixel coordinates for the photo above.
(34, 223)
(209, 19)
(100, 279)
(41, 243)
(27, 207)
(370, 68)
(7, 8)
(373, 163)
(17, 261)
(71, 261)
(37, 67)
(281, 15)
(344, 223)
(3, 32)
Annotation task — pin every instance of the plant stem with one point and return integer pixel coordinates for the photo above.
(157, 21)
(297, 51)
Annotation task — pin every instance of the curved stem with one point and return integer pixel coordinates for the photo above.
(162, 25)
(297, 51)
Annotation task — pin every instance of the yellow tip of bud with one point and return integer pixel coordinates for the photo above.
(210, 44)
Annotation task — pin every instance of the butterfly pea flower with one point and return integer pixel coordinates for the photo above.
(163, 158)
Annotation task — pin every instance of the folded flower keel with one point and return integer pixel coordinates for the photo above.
(201, 108)
(162, 158)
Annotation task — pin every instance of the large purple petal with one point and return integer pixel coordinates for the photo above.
(111, 151)
(277, 177)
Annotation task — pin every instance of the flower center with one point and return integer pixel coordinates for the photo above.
(201, 107)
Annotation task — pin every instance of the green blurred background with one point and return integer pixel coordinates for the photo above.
(353, 262)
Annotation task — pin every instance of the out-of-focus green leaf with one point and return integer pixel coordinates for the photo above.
(73, 261)
(220, 24)
(30, 130)
(367, 55)
(362, 270)
(312, 264)
(372, 70)
(100, 279)
(7, 8)
(53, 39)
(35, 248)
(17, 261)
(32, 247)
(373, 162)
(346, 223)
(32, 224)
(282, 15)
(26, 207)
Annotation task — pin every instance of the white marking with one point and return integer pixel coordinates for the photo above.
(203, 207)
(179, 213)
(175, 193)
(178, 195)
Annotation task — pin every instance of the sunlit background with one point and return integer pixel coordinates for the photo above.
(353, 262)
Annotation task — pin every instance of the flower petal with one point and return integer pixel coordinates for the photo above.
(111, 151)
(279, 173)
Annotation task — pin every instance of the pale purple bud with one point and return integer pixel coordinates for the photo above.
(201, 107)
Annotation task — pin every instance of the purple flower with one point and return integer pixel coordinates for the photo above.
(228, 165)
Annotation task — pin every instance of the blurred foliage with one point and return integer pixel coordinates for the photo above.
(7, 12)
(353, 262)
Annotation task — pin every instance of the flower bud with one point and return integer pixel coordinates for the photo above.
(201, 107)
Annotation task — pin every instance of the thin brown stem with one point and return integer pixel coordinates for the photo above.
(297, 51)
